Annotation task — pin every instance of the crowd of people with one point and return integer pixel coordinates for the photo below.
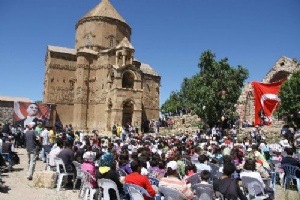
(169, 158)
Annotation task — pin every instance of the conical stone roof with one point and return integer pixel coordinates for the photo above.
(125, 44)
(105, 9)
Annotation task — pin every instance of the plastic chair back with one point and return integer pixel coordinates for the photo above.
(194, 179)
(87, 178)
(140, 189)
(171, 194)
(121, 172)
(253, 186)
(107, 184)
(79, 172)
(290, 171)
(135, 193)
(59, 162)
(203, 191)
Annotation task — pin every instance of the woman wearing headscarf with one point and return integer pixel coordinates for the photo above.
(107, 170)
(89, 166)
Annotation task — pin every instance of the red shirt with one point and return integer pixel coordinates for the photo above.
(142, 181)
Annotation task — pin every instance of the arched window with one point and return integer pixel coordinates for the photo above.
(88, 40)
(111, 42)
(128, 80)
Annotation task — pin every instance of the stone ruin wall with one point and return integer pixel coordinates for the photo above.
(283, 68)
(245, 106)
(6, 112)
(184, 123)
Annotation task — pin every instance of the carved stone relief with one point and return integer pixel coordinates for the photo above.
(63, 67)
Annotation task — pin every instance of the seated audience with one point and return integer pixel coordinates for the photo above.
(107, 170)
(227, 185)
(67, 155)
(56, 149)
(172, 181)
(89, 166)
(136, 178)
(201, 165)
(204, 175)
(290, 160)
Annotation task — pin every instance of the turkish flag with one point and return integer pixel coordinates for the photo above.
(266, 98)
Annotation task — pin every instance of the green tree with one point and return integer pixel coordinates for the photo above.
(290, 99)
(173, 103)
(214, 90)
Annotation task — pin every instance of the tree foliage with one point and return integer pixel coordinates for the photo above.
(212, 92)
(290, 99)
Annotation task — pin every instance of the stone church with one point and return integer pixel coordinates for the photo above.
(100, 83)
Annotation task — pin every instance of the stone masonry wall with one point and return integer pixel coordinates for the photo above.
(6, 111)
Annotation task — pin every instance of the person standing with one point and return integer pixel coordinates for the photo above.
(32, 147)
(261, 115)
(46, 147)
(137, 126)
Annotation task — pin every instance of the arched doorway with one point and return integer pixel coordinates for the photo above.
(127, 112)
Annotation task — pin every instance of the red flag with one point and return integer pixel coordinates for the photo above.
(265, 98)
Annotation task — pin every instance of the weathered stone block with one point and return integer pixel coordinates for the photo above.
(44, 179)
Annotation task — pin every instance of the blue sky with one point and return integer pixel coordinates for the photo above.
(169, 35)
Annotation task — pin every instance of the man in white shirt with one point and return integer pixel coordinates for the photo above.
(249, 171)
(45, 134)
(201, 165)
(56, 149)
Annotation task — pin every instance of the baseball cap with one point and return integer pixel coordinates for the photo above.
(172, 165)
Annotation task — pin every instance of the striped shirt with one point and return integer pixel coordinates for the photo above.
(175, 183)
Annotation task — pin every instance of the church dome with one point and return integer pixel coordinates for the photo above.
(101, 28)
(105, 9)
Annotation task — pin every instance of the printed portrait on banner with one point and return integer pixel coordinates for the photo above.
(25, 112)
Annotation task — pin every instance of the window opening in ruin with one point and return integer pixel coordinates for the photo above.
(111, 42)
(88, 40)
(128, 80)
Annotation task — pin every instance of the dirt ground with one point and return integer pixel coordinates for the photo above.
(19, 188)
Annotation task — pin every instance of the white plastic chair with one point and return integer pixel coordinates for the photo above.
(60, 175)
(203, 191)
(143, 191)
(171, 194)
(194, 179)
(254, 188)
(79, 174)
(107, 184)
(87, 188)
(135, 194)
